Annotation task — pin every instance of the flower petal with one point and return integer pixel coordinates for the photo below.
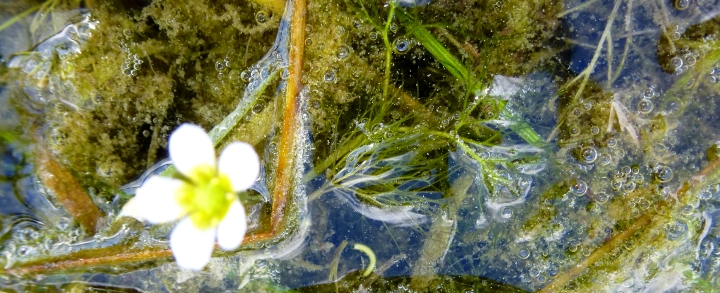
(191, 246)
(155, 201)
(190, 146)
(240, 162)
(231, 230)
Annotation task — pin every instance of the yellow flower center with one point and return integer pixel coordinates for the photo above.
(207, 197)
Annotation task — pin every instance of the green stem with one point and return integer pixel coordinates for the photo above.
(18, 17)
(388, 49)
(218, 133)
(458, 70)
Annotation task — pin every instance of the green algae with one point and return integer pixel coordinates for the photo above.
(412, 130)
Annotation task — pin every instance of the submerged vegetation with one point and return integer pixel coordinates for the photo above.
(457, 145)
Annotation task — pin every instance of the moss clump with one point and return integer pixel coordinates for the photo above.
(145, 71)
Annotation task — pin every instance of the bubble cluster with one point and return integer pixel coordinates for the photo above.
(132, 63)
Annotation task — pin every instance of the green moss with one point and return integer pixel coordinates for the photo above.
(189, 59)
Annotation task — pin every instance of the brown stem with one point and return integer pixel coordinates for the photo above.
(110, 256)
(68, 191)
(287, 141)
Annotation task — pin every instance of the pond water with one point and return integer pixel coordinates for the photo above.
(408, 146)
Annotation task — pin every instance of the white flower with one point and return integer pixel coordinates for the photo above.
(205, 200)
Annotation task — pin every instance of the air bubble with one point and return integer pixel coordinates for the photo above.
(373, 35)
(524, 254)
(664, 174)
(595, 130)
(315, 104)
(644, 106)
(601, 197)
(713, 79)
(589, 154)
(605, 159)
(261, 16)
(682, 4)
(687, 209)
(573, 247)
(626, 170)
(343, 52)
(629, 186)
(552, 270)
(272, 148)
(506, 213)
(534, 272)
(401, 45)
(574, 131)
(393, 27)
(258, 108)
(308, 42)
(219, 66)
(690, 60)
(146, 133)
(649, 93)
(705, 194)
(340, 30)
(329, 75)
(579, 188)
(676, 62)
(676, 230)
(245, 76)
(611, 142)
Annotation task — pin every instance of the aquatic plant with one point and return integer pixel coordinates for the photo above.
(541, 145)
